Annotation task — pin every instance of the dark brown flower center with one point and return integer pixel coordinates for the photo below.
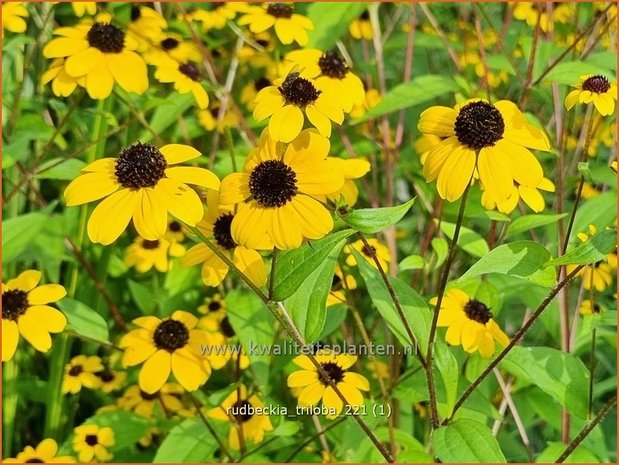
(106, 376)
(368, 250)
(169, 43)
(298, 91)
(332, 65)
(365, 15)
(34, 460)
(272, 183)
(190, 70)
(477, 311)
(226, 328)
(214, 306)
(334, 371)
(106, 37)
(336, 283)
(147, 396)
(596, 308)
(14, 304)
(279, 10)
(135, 13)
(214, 111)
(141, 165)
(91, 440)
(221, 231)
(150, 245)
(479, 125)
(242, 411)
(261, 83)
(171, 335)
(598, 84)
(175, 226)
(76, 370)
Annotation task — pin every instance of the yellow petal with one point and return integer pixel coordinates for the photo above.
(53, 320)
(286, 123)
(155, 372)
(180, 200)
(494, 174)
(191, 175)
(129, 71)
(111, 217)
(89, 187)
(26, 281)
(438, 120)
(234, 189)
(34, 331)
(150, 217)
(10, 338)
(251, 264)
(178, 153)
(46, 294)
(187, 370)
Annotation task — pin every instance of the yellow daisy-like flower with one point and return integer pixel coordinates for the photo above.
(92, 443)
(331, 73)
(492, 138)
(315, 388)
(276, 193)
(529, 11)
(588, 307)
(379, 370)
(144, 254)
(469, 323)
(251, 89)
(176, 232)
(372, 98)
(63, 85)
(25, 312)
(146, 25)
(168, 399)
(589, 191)
(289, 26)
(351, 168)
(172, 47)
(361, 28)
(375, 248)
(289, 98)
(597, 89)
(209, 119)
(101, 54)
(140, 185)
(13, 15)
(246, 415)
(598, 275)
(111, 380)
(338, 285)
(214, 305)
(82, 8)
(613, 166)
(81, 372)
(224, 339)
(218, 15)
(216, 224)
(530, 196)
(169, 346)
(186, 78)
(44, 452)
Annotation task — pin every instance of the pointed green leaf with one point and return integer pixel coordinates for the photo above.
(373, 220)
(466, 441)
(591, 251)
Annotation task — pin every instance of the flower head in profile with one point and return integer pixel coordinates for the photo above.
(144, 254)
(314, 387)
(361, 28)
(165, 347)
(289, 99)
(216, 225)
(13, 15)
(469, 323)
(373, 248)
(275, 195)
(140, 184)
(100, 54)
(594, 88)
(245, 413)
(493, 139)
(186, 78)
(289, 26)
(81, 371)
(25, 312)
(92, 442)
(598, 275)
(331, 73)
(44, 452)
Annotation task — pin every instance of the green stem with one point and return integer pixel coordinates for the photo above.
(55, 398)
(9, 404)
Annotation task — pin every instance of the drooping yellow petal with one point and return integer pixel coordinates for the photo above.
(456, 173)
(89, 187)
(286, 123)
(187, 370)
(234, 189)
(180, 200)
(438, 120)
(10, 338)
(155, 372)
(111, 217)
(150, 217)
(251, 264)
(494, 175)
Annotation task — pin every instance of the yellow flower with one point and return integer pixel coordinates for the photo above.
(146, 25)
(91, 443)
(218, 324)
(63, 85)
(186, 78)
(424, 144)
(375, 248)
(379, 370)
(25, 312)
(316, 388)
(251, 89)
(597, 89)
(530, 195)
(613, 166)
(140, 184)
(276, 193)
(339, 284)
(588, 307)
(351, 168)
(81, 372)
(469, 323)
(209, 119)
(246, 415)
(101, 54)
(598, 275)
(492, 138)
(169, 346)
(214, 305)
(111, 380)
(372, 98)
(82, 8)
(176, 232)
(289, 27)
(44, 452)
(361, 28)
(216, 225)
(172, 47)
(218, 15)
(167, 399)
(286, 101)
(529, 11)
(331, 73)
(589, 191)
(144, 254)
(13, 15)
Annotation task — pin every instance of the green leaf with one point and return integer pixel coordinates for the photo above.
(294, 266)
(585, 171)
(308, 305)
(560, 375)
(469, 241)
(523, 259)
(448, 368)
(466, 441)
(187, 442)
(253, 323)
(331, 22)
(19, 232)
(420, 90)
(600, 211)
(412, 262)
(568, 72)
(374, 220)
(441, 247)
(58, 168)
(532, 221)
(413, 306)
(143, 296)
(84, 320)
(166, 114)
(590, 251)
(555, 449)
(128, 427)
